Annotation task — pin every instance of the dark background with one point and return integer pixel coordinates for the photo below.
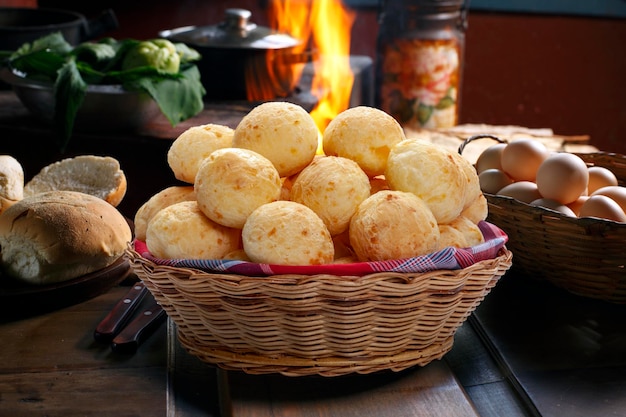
(565, 72)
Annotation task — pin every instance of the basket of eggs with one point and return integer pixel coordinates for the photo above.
(276, 257)
(564, 213)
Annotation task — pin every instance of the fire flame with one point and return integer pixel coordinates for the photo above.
(325, 27)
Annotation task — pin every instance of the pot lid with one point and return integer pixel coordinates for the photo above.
(236, 31)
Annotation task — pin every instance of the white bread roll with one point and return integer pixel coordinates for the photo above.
(449, 236)
(11, 181)
(232, 182)
(333, 187)
(100, 176)
(365, 135)
(160, 200)
(477, 210)
(287, 233)
(469, 230)
(283, 132)
(59, 235)
(393, 225)
(431, 172)
(181, 230)
(195, 144)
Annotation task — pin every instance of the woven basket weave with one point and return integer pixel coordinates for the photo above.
(318, 324)
(585, 256)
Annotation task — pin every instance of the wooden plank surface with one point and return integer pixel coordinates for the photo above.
(420, 392)
(565, 352)
(50, 365)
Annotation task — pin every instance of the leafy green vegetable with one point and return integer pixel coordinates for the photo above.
(158, 53)
(69, 91)
(158, 67)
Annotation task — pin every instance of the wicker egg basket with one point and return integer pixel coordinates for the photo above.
(326, 325)
(585, 256)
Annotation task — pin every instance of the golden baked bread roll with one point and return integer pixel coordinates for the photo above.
(193, 145)
(365, 135)
(11, 181)
(393, 225)
(430, 172)
(232, 182)
(55, 236)
(100, 176)
(449, 236)
(472, 182)
(181, 230)
(469, 230)
(333, 187)
(283, 132)
(160, 200)
(287, 233)
(477, 210)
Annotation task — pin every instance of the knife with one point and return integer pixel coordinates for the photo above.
(129, 338)
(117, 318)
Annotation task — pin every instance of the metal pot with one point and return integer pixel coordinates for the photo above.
(21, 25)
(237, 53)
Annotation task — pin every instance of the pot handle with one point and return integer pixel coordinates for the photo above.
(95, 27)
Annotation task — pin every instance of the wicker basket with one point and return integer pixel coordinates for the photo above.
(318, 324)
(585, 256)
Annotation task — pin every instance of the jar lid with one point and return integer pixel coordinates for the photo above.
(429, 6)
(236, 31)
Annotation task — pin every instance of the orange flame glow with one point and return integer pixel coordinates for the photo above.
(333, 78)
(325, 26)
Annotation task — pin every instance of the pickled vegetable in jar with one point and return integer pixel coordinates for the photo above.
(420, 62)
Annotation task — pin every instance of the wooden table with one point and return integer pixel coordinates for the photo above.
(50, 365)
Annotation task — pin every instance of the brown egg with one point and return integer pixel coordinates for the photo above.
(490, 158)
(600, 177)
(562, 177)
(525, 191)
(553, 205)
(493, 180)
(602, 207)
(576, 205)
(616, 192)
(521, 158)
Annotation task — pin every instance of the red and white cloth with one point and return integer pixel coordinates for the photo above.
(448, 258)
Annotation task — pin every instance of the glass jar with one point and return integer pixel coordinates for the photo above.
(419, 62)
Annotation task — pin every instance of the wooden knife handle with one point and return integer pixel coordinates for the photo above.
(129, 339)
(120, 314)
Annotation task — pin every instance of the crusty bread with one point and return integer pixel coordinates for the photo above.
(160, 200)
(100, 176)
(11, 181)
(59, 235)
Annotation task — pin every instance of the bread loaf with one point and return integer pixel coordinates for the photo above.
(11, 181)
(59, 235)
(100, 176)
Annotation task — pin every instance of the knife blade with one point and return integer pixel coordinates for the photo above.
(120, 314)
(129, 338)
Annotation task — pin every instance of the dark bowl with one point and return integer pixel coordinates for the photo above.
(105, 107)
(21, 25)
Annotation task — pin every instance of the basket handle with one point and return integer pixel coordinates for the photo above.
(476, 137)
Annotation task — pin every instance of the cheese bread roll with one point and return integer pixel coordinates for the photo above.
(232, 182)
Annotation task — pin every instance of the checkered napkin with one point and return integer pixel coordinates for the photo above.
(447, 258)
